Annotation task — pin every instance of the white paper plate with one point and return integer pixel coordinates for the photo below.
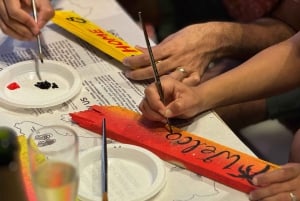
(30, 96)
(134, 173)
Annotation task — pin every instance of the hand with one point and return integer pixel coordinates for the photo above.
(181, 101)
(278, 184)
(16, 19)
(191, 48)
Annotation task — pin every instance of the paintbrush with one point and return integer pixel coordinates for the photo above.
(38, 38)
(104, 162)
(153, 64)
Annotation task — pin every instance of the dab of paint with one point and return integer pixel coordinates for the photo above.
(13, 86)
(46, 85)
(43, 85)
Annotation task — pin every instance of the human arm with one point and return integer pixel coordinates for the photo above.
(16, 19)
(274, 70)
(195, 46)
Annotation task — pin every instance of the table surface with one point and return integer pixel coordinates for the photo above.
(208, 125)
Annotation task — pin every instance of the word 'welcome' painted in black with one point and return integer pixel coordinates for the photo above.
(190, 144)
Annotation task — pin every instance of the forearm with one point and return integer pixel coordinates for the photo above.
(242, 40)
(270, 72)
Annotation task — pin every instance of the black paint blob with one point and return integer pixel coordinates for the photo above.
(46, 85)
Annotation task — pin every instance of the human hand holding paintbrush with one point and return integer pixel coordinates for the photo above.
(17, 22)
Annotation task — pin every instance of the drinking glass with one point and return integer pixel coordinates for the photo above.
(53, 160)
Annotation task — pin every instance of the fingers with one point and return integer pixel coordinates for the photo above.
(6, 30)
(188, 74)
(186, 77)
(141, 73)
(149, 112)
(179, 73)
(280, 175)
(13, 18)
(142, 60)
(275, 190)
(141, 64)
(279, 184)
(180, 49)
(154, 109)
(16, 20)
(45, 12)
(284, 196)
(151, 106)
(147, 71)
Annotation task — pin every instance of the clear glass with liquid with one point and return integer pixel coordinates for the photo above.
(53, 156)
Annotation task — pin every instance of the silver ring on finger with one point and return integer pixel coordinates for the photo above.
(158, 61)
(293, 196)
(182, 70)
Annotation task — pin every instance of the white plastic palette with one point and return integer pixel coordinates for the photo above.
(134, 173)
(30, 96)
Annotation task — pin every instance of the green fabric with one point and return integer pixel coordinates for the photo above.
(285, 105)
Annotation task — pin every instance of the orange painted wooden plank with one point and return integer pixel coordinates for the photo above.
(202, 156)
